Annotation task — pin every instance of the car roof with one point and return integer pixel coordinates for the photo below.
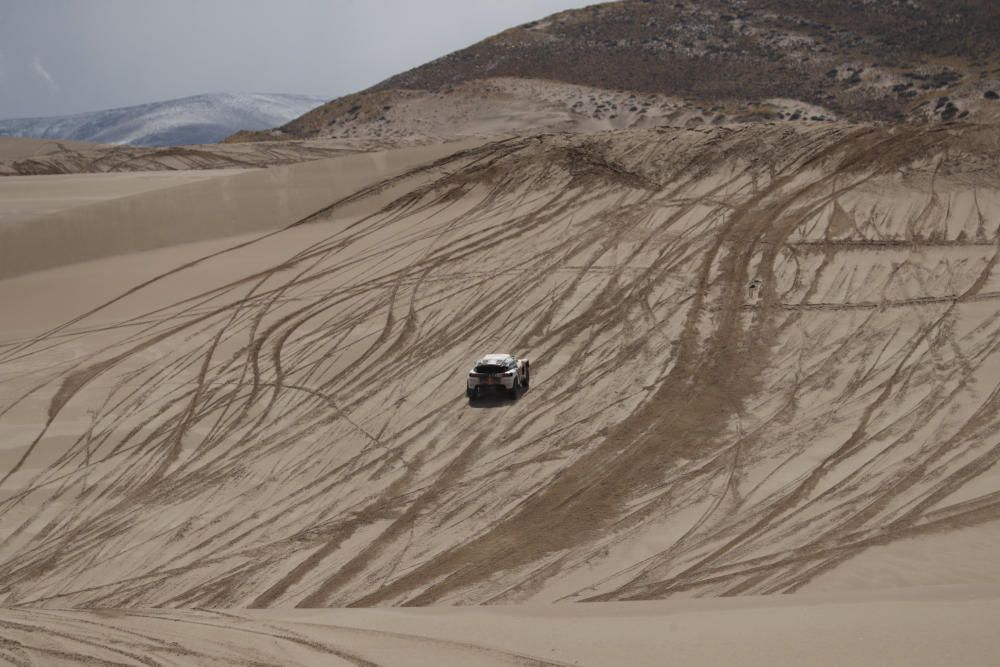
(490, 358)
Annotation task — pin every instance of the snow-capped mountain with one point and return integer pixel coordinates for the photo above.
(190, 120)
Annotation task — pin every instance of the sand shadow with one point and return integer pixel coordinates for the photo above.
(496, 400)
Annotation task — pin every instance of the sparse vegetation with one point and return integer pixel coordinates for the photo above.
(859, 60)
(724, 49)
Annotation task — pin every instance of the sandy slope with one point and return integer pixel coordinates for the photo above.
(503, 106)
(25, 197)
(925, 627)
(49, 221)
(283, 424)
(20, 148)
(34, 157)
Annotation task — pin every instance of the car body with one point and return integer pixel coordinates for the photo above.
(500, 373)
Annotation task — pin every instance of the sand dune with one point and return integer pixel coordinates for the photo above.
(762, 357)
(894, 628)
(25, 197)
(35, 157)
(20, 148)
(48, 221)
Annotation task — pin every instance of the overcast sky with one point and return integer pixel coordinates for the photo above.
(67, 56)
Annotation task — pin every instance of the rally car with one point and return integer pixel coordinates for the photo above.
(502, 373)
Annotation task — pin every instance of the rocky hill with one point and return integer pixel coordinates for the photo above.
(723, 60)
(844, 55)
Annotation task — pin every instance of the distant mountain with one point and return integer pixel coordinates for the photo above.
(190, 120)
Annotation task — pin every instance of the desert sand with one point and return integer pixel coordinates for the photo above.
(23, 198)
(36, 157)
(763, 359)
(59, 219)
(20, 148)
(941, 626)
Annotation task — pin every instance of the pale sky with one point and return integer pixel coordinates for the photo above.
(67, 56)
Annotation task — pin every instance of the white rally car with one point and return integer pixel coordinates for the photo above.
(498, 372)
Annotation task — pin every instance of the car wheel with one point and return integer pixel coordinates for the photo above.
(515, 390)
(472, 394)
(527, 377)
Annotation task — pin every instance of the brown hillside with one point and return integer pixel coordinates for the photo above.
(825, 53)
(874, 60)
